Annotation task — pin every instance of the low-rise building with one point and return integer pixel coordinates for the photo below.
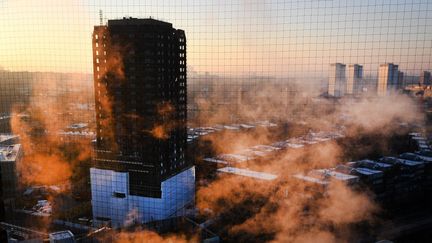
(9, 157)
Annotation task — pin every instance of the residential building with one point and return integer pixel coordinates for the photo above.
(140, 170)
(337, 80)
(10, 155)
(355, 75)
(425, 78)
(387, 78)
(401, 81)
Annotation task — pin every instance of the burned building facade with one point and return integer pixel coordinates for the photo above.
(140, 160)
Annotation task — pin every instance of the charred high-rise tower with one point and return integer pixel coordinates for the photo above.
(140, 160)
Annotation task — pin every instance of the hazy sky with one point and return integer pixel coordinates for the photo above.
(253, 37)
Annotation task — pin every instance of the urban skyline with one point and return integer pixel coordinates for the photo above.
(304, 36)
(215, 121)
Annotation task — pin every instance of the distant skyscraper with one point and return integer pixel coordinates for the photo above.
(140, 172)
(355, 75)
(401, 81)
(387, 78)
(425, 78)
(337, 80)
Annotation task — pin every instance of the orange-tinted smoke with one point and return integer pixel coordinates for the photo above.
(47, 156)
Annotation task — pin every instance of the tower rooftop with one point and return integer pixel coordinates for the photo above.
(136, 21)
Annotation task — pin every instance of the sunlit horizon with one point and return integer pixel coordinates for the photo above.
(282, 39)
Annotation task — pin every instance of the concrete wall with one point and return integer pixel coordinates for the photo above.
(177, 191)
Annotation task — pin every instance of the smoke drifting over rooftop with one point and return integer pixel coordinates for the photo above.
(256, 114)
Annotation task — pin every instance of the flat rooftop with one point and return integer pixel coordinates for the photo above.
(9, 153)
(262, 150)
(248, 173)
(322, 181)
(5, 137)
(136, 21)
(61, 235)
(326, 173)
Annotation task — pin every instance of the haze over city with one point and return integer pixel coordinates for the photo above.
(215, 121)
